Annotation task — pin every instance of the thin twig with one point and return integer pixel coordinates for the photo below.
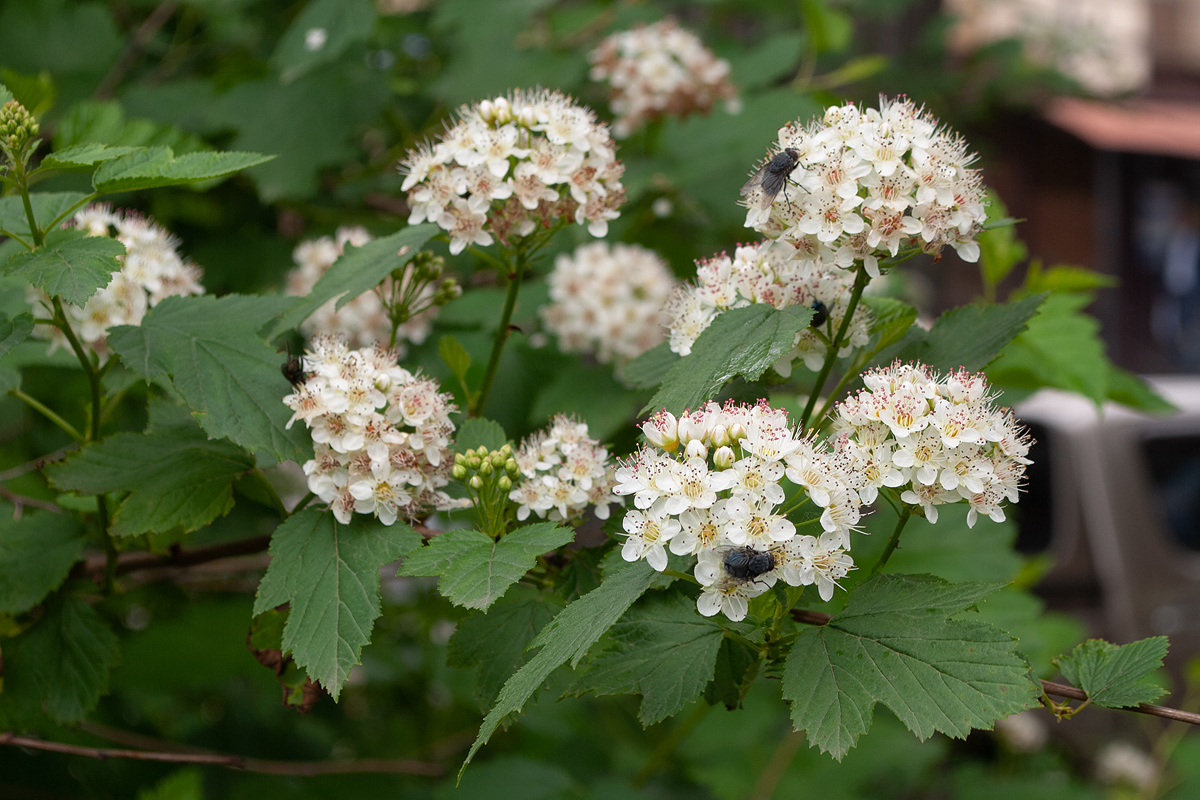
(242, 763)
(20, 500)
(35, 464)
(1049, 687)
(145, 32)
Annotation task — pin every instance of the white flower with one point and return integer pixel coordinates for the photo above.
(607, 300)
(646, 534)
(660, 69)
(564, 471)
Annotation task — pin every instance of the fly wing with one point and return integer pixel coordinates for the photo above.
(755, 181)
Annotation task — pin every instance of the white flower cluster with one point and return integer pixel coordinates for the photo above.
(761, 274)
(510, 165)
(151, 270)
(709, 485)
(660, 69)
(940, 437)
(608, 300)
(381, 434)
(565, 471)
(364, 320)
(867, 183)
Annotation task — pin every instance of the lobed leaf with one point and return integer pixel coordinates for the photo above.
(567, 638)
(329, 573)
(650, 368)
(742, 341)
(46, 207)
(893, 319)
(662, 650)
(479, 432)
(1114, 676)
(896, 643)
(357, 270)
(475, 570)
(150, 167)
(36, 553)
(969, 336)
(224, 371)
(71, 265)
(83, 155)
(14, 330)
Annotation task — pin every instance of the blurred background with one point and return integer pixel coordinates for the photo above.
(1086, 116)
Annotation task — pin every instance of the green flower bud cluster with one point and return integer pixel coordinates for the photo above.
(488, 476)
(411, 289)
(17, 129)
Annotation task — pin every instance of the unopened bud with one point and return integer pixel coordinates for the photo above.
(510, 467)
(737, 432)
(696, 449)
(17, 129)
(459, 472)
(486, 467)
(476, 483)
(505, 483)
(460, 460)
(723, 458)
(487, 110)
(719, 436)
(473, 462)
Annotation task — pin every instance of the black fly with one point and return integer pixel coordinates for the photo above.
(820, 314)
(746, 562)
(293, 370)
(773, 177)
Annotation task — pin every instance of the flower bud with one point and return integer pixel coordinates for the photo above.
(460, 460)
(17, 129)
(737, 432)
(476, 483)
(511, 468)
(719, 436)
(663, 430)
(505, 483)
(383, 382)
(486, 468)
(473, 462)
(459, 473)
(696, 449)
(526, 118)
(487, 110)
(723, 458)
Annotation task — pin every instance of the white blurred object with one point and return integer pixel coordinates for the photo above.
(1103, 44)
(1023, 732)
(1121, 762)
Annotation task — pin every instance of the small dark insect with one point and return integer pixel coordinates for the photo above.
(820, 314)
(293, 370)
(746, 562)
(773, 177)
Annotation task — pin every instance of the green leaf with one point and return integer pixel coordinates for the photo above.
(650, 368)
(590, 393)
(151, 167)
(663, 650)
(71, 264)
(968, 336)
(567, 638)
(1065, 279)
(176, 478)
(479, 432)
(897, 644)
(1114, 676)
(14, 330)
(342, 23)
(226, 374)
(329, 572)
(742, 341)
(5, 94)
(893, 318)
(1130, 390)
(357, 270)
(46, 207)
(63, 660)
(999, 248)
(475, 570)
(515, 778)
(36, 553)
(456, 357)
(36, 92)
(186, 784)
(83, 155)
(494, 642)
(829, 29)
(103, 122)
(1061, 348)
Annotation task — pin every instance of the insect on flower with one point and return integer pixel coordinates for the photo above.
(293, 370)
(773, 177)
(746, 562)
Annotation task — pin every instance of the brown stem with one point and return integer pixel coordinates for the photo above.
(37, 463)
(141, 37)
(242, 763)
(20, 500)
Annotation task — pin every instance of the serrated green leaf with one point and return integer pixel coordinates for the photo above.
(1064, 278)
(46, 207)
(664, 651)
(329, 572)
(567, 638)
(968, 336)
(893, 318)
(897, 644)
(1130, 390)
(226, 374)
(63, 660)
(456, 356)
(357, 270)
(742, 341)
(475, 570)
(71, 264)
(1060, 348)
(650, 368)
(479, 432)
(1114, 676)
(14, 330)
(494, 642)
(10, 379)
(176, 478)
(5, 94)
(341, 23)
(83, 155)
(150, 167)
(36, 553)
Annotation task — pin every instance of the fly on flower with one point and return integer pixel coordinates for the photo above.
(772, 177)
(746, 562)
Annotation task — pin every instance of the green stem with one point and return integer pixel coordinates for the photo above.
(39, 406)
(54, 223)
(304, 501)
(683, 576)
(860, 282)
(23, 184)
(89, 369)
(667, 746)
(510, 302)
(276, 500)
(851, 372)
(892, 542)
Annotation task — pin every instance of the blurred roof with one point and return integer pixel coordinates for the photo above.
(1158, 127)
